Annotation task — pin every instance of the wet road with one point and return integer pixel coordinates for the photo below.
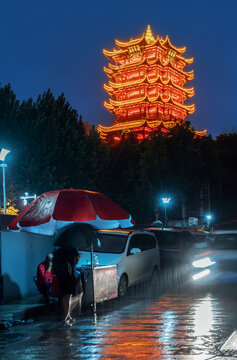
(179, 321)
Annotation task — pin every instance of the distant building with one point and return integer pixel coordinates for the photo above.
(146, 87)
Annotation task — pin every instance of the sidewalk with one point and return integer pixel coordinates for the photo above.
(24, 309)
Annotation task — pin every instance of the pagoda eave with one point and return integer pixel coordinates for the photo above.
(145, 80)
(153, 124)
(115, 68)
(129, 43)
(200, 133)
(113, 53)
(187, 61)
(166, 42)
(109, 72)
(141, 126)
(189, 108)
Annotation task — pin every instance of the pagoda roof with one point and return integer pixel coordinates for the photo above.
(167, 43)
(129, 125)
(111, 55)
(201, 132)
(131, 42)
(109, 72)
(147, 39)
(145, 61)
(153, 124)
(115, 86)
(113, 104)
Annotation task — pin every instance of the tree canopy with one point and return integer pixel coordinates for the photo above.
(50, 149)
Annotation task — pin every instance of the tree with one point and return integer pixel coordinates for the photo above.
(46, 136)
(226, 152)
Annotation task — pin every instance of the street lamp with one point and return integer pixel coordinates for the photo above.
(26, 197)
(166, 201)
(209, 218)
(3, 155)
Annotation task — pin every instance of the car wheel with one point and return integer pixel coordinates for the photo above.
(123, 285)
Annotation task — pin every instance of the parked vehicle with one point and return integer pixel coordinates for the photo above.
(136, 254)
(224, 250)
(180, 247)
(175, 245)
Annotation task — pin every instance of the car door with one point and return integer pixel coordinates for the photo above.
(150, 256)
(133, 265)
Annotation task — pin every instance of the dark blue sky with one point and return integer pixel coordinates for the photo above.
(58, 44)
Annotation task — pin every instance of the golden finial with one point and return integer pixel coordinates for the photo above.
(149, 36)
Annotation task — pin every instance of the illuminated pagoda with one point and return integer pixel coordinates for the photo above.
(146, 87)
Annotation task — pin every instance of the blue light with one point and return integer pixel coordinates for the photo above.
(166, 200)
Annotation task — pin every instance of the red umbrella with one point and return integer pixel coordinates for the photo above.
(56, 209)
(13, 224)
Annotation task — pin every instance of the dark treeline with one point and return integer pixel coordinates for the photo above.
(50, 150)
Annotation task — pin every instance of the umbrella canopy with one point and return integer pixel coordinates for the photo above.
(13, 224)
(54, 210)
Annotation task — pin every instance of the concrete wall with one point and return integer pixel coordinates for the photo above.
(20, 254)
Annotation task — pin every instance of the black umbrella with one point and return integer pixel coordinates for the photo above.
(80, 236)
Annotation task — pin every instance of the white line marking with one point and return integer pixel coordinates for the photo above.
(231, 342)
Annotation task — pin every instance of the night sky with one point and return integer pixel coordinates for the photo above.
(58, 44)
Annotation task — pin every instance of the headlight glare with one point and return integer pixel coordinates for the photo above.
(203, 263)
(201, 274)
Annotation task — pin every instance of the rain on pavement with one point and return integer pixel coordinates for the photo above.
(180, 321)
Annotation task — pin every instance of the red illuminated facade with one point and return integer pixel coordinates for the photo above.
(147, 87)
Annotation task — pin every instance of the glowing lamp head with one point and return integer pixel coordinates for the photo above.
(166, 200)
(209, 217)
(3, 154)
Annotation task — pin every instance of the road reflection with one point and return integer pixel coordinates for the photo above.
(170, 325)
(203, 319)
(189, 323)
(167, 329)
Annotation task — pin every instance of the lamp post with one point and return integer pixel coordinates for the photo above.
(166, 201)
(3, 155)
(209, 218)
(26, 197)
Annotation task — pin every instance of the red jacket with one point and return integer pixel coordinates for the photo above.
(43, 275)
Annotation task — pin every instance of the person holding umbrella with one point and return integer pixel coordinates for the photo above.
(71, 282)
(66, 258)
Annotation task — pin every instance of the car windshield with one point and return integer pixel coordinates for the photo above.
(108, 243)
(224, 242)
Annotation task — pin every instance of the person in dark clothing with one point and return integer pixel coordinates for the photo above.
(45, 277)
(71, 282)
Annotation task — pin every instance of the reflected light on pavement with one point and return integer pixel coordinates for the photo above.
(170, 322)
(203, 317)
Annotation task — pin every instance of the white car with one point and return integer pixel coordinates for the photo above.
(136, 254)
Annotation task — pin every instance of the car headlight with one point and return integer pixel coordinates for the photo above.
(203, 263)
(201, 274)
